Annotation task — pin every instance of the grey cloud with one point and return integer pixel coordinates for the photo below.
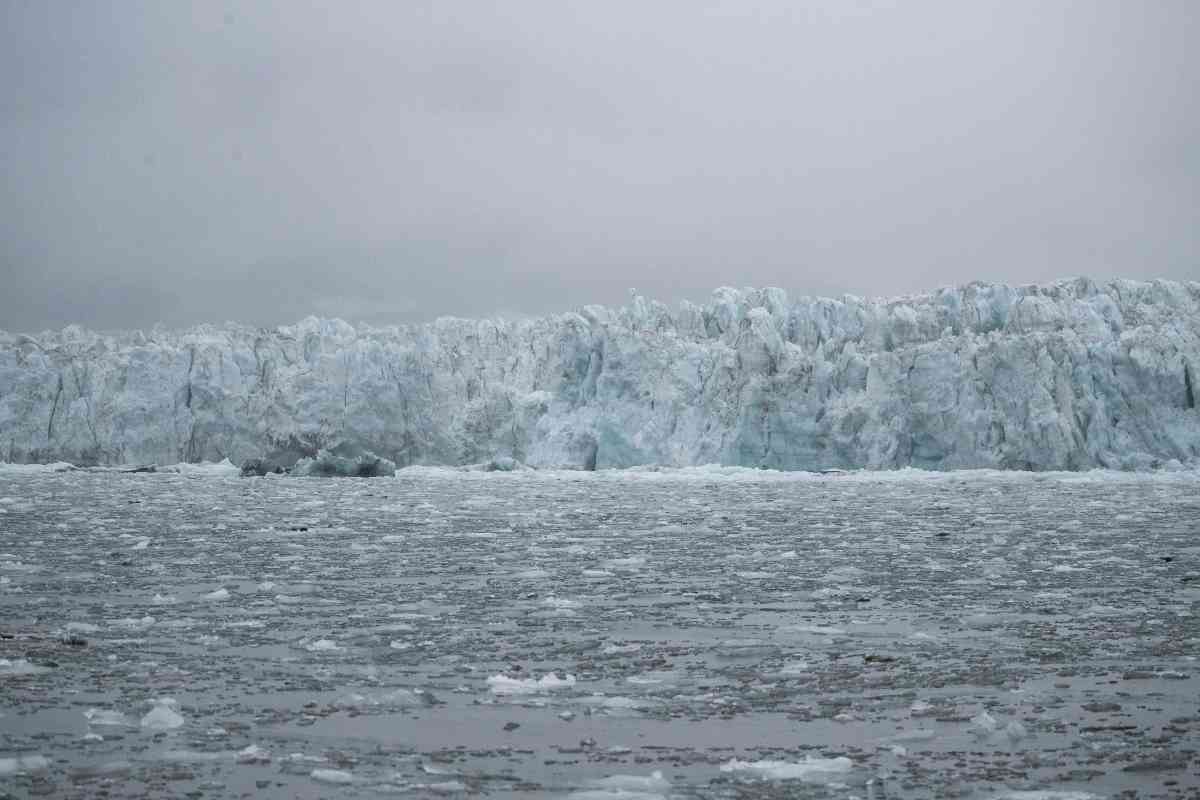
(394, 161)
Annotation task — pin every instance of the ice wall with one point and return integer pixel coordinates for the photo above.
(1067, 375)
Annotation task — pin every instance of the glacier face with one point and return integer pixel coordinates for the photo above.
(1068, 375)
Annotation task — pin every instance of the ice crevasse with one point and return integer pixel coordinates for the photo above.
(1067, 375)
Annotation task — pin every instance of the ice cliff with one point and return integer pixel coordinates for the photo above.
(1068, 375)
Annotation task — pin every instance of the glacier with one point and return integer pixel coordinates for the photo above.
(1069, 375)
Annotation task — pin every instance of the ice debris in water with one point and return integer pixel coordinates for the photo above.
(811, 769)
(219, 594)
(985, 722)
(10, 766)
(19, 666)
(986, 725)
(1047, 794)
(163, 717)
(104, 716)
(627, 787)
(253, 754)
(328, 464)
(502, 684)
(332, 776)
(398, 698)
(323, 646)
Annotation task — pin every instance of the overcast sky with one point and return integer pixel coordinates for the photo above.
(400, 160)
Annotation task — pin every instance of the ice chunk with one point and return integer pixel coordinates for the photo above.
(817, 770)
(502, 684)
(19, 666)
(327, 464)
(218, 594)
(253, 754)
(985, 722)
(32, 763)
(627, 787)
(163, 717)
(332, 776)
(221, 469)
(105, 717)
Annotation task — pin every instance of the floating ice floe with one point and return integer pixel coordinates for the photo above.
(19, 666)
(629, 563)
(218, 594)
(1047, 794)
(218, 469)
(397, 698)
(816, 630)
(626, 787)
(332, 776)
(812, 769)
(502, 684)
(163, 717)
(106, 717)
(34, 469)
(253, 754)
(16, 764)
(323, 646)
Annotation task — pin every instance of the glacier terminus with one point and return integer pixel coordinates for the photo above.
(1069, 375)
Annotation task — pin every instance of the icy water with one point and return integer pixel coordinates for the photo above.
(636, 635)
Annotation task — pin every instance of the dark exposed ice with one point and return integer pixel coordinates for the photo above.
(697, 633)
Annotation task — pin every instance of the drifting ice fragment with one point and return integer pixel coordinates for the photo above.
(163, 716)
(502, 684)
(332, 776)
(812, 769)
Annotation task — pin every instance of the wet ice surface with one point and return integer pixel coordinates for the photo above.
(600, 635)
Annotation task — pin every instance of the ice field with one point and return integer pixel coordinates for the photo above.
(698, 633)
